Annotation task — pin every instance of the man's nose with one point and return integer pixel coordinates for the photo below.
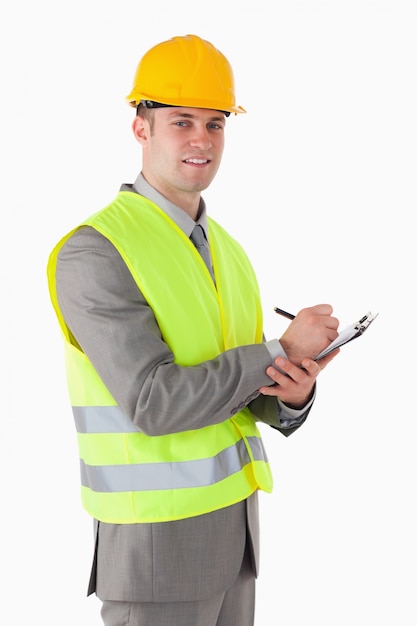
(201, 138)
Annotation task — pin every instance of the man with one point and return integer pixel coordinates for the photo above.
(167, 366)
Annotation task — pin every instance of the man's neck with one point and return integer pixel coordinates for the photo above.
(189, 202)
(178, 214)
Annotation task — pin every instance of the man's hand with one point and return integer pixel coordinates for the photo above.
(294, 384)
(312, 330)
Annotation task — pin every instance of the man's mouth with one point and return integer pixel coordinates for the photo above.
(197, 161)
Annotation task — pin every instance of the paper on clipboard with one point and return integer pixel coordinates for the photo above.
(350, 332)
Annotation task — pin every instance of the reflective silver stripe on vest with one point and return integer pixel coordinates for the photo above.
(181, 475)
(102, 419)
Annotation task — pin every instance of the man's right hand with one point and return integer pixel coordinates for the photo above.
(312, 330)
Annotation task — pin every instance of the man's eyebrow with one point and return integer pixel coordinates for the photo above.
(214, 118)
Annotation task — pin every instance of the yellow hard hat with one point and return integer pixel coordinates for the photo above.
(185, 71)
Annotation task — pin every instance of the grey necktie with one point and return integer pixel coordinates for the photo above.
(199, 240)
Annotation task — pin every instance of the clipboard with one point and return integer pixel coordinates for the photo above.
(349, 333)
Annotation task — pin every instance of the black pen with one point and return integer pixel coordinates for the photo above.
(289, 316)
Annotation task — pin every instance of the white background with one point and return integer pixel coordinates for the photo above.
(318, 182)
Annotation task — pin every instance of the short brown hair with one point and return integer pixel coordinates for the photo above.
(148, 114)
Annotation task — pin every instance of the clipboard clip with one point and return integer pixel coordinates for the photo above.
(348, 334)
(364, 322)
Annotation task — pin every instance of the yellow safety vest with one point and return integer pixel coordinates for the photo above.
(126, 475)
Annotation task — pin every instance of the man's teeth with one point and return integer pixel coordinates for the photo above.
(197, 161)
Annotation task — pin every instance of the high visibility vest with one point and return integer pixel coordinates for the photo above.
(126, 475)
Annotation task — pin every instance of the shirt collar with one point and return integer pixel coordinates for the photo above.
(181, 219)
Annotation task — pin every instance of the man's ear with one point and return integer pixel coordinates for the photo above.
(141, 129)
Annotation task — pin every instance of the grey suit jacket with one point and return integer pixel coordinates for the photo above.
(109, 318)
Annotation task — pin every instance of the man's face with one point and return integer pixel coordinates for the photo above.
(182, 152)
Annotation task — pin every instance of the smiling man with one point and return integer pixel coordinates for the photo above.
(167, 366)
